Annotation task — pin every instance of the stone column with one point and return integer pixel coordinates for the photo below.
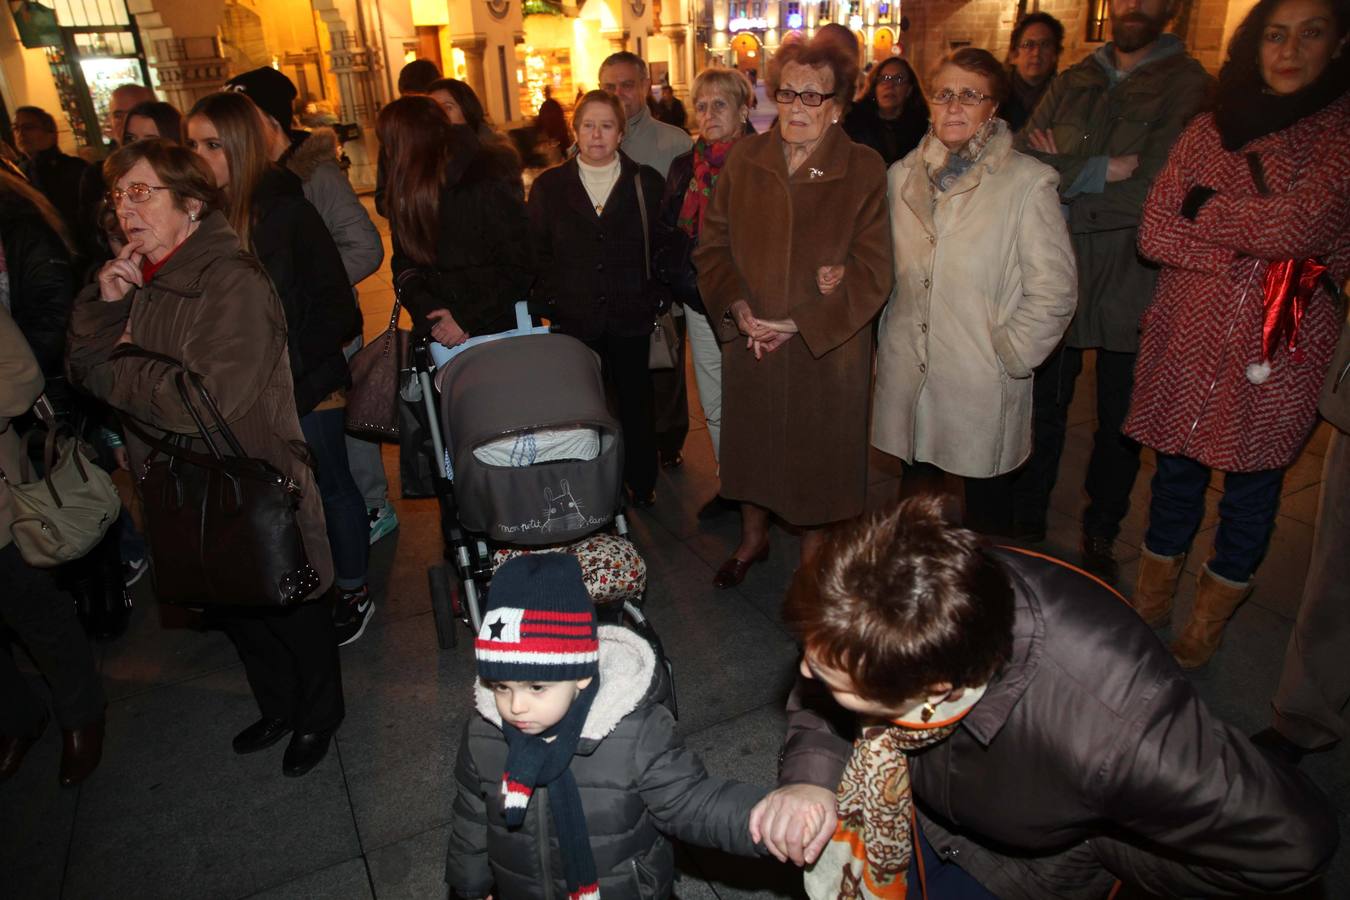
(618, 39)
(679, 76)
(189, 68)
(474, 47)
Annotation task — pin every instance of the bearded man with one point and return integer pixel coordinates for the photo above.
(1106, 126)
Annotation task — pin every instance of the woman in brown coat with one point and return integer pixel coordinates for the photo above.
(796, 254)
(182, 287)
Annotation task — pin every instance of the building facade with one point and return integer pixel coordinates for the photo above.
(344, 55)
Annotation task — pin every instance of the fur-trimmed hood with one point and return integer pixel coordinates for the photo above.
(629, 678)
(309, 150)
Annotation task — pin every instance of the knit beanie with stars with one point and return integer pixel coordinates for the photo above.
(540, 622)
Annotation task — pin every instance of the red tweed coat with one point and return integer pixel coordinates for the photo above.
(1191, 393)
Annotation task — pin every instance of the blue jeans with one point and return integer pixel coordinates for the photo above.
(944, 880)
(1246, 514)
(344, 510)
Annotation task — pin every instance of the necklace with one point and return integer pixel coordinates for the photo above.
(599, 208)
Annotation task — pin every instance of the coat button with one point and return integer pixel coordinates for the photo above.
(932, 239)
(922, 367)
(924, 327)
(927, 283)
(599, 267)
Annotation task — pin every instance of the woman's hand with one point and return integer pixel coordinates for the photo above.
(795, 822)
(1042, 140)
(445, 329)
(120, 274)
(1119, 168)
(828, 278)
(769, 344)
(745, 319)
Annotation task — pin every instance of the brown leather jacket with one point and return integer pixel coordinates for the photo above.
(1091, 758)
(213, 308)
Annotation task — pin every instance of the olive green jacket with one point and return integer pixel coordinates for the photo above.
(1093, 115)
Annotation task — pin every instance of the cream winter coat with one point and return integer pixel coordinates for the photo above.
(985, 287)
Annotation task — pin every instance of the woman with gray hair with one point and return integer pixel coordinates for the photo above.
(721, 100)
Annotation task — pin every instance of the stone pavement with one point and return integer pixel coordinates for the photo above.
(173, 813)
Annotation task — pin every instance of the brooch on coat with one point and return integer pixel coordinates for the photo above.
(816, 173)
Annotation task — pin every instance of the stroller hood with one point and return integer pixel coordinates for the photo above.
(542, 381)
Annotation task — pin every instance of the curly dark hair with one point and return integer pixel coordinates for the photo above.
(1242, 69)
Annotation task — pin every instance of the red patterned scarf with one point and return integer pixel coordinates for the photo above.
(708, 162)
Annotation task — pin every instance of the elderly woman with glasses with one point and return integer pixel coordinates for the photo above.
(182, 287)
(984, 289)
(892, 116)
(794, 261)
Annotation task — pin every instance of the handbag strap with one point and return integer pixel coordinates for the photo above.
(49, 458)
(182, 379)
(642, 210)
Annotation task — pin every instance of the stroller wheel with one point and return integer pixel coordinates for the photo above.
(443, 601)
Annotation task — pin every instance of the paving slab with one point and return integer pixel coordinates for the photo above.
(407, 701)
(172, 812)
(37, 817)
(163, 644)
(412, 868)
(345, 881)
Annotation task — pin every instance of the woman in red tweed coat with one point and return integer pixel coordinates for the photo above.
(1232, 355)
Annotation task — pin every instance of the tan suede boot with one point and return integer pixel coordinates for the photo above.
(1156, 586)
(1215, 601)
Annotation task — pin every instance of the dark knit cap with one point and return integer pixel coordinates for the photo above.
(270, 91)
(540, 622)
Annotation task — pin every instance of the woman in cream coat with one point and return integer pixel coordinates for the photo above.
(985, 287)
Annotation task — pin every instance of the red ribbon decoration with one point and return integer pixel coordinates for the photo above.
(1289, 285)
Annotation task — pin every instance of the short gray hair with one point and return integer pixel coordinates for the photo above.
(731, 83)
(632, 59)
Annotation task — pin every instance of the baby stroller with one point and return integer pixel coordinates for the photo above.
(532, 462)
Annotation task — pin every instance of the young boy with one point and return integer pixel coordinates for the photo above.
(570, 776)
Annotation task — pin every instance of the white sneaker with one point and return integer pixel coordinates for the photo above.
(382, 521)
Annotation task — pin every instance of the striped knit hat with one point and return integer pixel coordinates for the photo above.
(540, 622)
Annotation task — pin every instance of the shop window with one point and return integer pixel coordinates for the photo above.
(1098, 14)
(100, 49)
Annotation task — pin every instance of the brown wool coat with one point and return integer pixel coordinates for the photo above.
(794, 424)
(213, 308)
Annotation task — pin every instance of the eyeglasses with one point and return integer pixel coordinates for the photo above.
(895, 78)
(136, 193)
(966, 97)
(1029, 46)
(808, 98)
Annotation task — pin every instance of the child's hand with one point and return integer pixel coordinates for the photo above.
(794, 822)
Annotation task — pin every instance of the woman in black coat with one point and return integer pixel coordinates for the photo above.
(591, 227)
(457, 216)
(267, 208)
(892, 116)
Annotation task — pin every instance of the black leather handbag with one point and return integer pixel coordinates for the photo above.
(223, 527)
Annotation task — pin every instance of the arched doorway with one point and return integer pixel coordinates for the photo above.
(883, 45)
(748, 51)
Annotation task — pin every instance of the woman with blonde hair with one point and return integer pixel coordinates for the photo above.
(592, 220)
(721, 101)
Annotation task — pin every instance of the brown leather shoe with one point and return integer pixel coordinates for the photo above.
(13, 750)
(733, 570)
(81, 750)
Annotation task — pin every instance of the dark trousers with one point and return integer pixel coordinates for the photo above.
(988, 503)
(1246, 514)
(344, 509)
(291, 660)
(44, 619)
(1115, 458)
(670, 397)
(625, 366)
(942, 879)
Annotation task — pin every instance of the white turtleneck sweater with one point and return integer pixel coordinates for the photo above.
(599, 181)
